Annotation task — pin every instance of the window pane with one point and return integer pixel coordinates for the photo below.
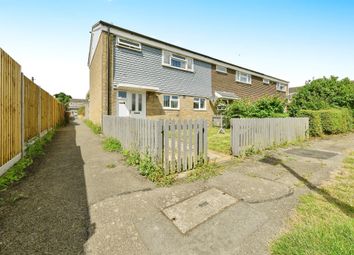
(166, 101)
(140, 105)
(202, 103)
(174, 104)
(176, 63)
(196, 105)
(133, 102)
(175, 97)
(122, 94)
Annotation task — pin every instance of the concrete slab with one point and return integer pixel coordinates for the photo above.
(189, 213)
(312, 153)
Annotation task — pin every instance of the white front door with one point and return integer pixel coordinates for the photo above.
(138, 104)
(131, 104)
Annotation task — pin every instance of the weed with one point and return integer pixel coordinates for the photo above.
(204, 172)
(94, 127)
(112, 145)
(17, 171)
(111, 165)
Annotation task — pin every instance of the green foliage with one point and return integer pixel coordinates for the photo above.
(17, 171)
(323, 93)
(94, 127)
(330, 121)
(203, 172)
(63, 98)
(315, 125)
(262, 108)
(322, 225)
(112, 145)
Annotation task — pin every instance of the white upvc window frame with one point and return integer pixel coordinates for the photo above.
(173, 98)
(266, 81)
(177, 57)
(124, 43)
(221, 69)
(198, 101)
(238, 77)
(281, 86)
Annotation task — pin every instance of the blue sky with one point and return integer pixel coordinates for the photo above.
(293, 40)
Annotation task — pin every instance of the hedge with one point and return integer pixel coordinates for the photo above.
(314, 121)
(330, 121)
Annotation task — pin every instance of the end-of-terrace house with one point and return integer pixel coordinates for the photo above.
(133, 75)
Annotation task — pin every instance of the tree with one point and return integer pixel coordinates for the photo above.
(63, 98)
(323, 93)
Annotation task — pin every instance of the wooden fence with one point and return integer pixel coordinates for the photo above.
(174, 145)
(263, 133)
(26, 111)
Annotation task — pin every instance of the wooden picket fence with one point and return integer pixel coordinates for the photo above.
(252, 133)
(172, 144)
(26, 111)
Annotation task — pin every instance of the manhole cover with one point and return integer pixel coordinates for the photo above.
(312, 153)
(195, 210)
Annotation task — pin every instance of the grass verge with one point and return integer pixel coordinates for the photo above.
(18, 171)
(94, 127)
(323, 223)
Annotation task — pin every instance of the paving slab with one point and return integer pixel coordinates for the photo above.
(189, 213)
(319, 154)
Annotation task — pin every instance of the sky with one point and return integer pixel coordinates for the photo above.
(292, 40)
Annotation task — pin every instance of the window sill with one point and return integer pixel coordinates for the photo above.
(200, 110)
(245, 83)
(173, 67)
(170, 109)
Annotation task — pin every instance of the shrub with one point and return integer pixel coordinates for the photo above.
(262, 108)
(335, 121)
(323, 93)
(112, 145)
(315, 125)
(94, 127)
(81, 111)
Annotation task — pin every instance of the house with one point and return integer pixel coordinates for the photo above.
(74, 106)
(138, 76)
(293, 91)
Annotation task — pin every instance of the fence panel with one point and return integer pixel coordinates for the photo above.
(10, 108)
(174, 145)
(25, 111)
(251, 133)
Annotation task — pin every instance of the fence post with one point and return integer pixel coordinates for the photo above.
(22, 121)
(39, 111)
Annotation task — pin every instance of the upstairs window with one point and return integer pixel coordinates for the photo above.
(128, 44)
(281, 87)
(170, 102)
(243, 77)
(177, 61)
(266, 81)
(199, 103)
(221, 69)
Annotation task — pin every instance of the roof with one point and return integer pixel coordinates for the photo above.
(77, 100)
(103, 23)
(226, 95)
(294, 89)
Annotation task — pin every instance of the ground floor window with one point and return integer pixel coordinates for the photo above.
(199, 103)
(170, 102)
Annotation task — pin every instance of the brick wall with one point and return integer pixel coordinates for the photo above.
(99, 80)
(226, 82)
(154, 108)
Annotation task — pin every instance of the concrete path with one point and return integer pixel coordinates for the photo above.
(126, 210)
(74, 201)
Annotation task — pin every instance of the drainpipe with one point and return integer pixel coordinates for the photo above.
(109, 72)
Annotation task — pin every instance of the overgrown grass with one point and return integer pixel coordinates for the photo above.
(148, 168)
(219, 142)
(94, 127)
(323, 223)
(112, 145)
(18, 171)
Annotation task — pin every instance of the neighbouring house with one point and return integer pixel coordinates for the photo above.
(74, 106)
(293, 91)
(138, 76)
